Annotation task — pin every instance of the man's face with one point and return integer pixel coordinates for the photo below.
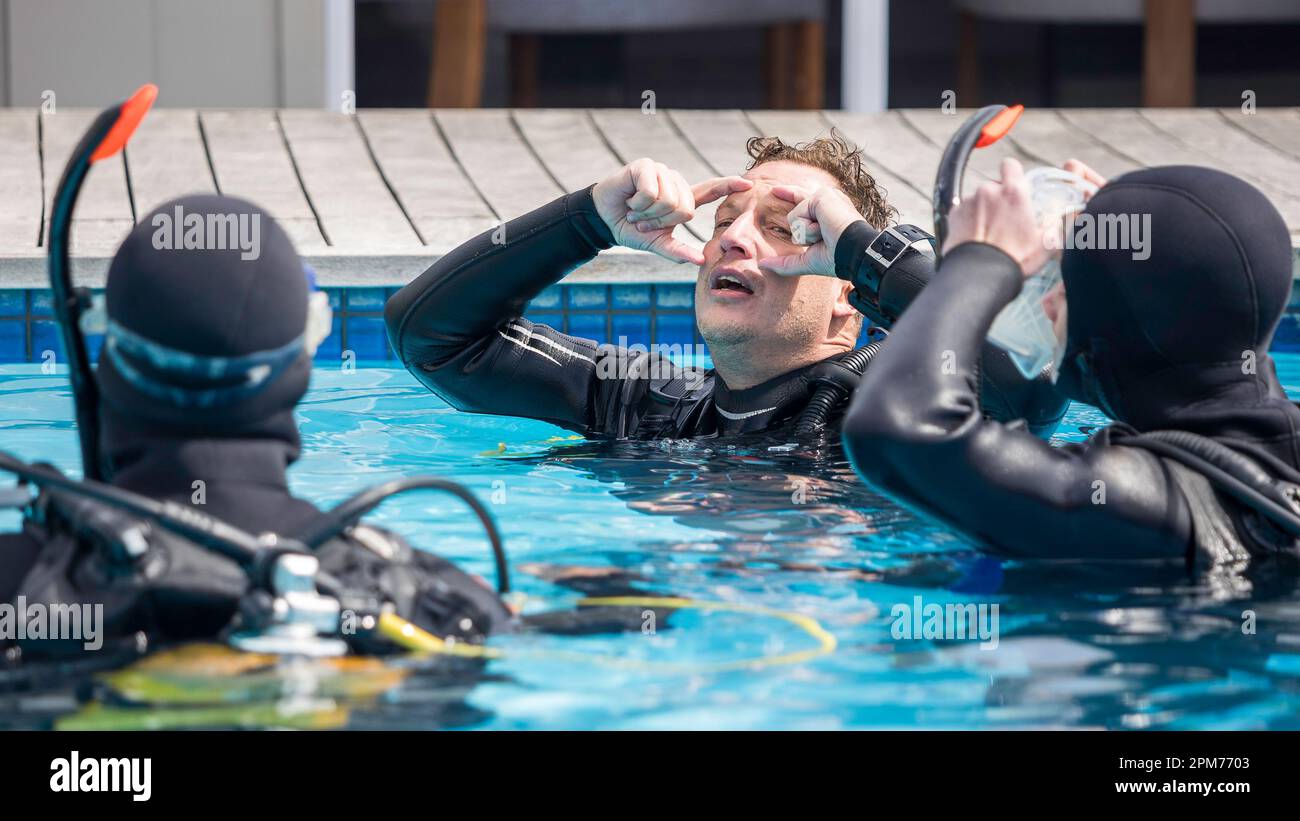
(736, 303)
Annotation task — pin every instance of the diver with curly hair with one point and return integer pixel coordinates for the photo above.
(780, 300)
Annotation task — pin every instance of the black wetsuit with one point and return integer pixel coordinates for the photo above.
(1160, 343)
(459, 328)
(18, 552)
(189, 418)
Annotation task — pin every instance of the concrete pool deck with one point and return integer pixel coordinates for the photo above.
(372, 199)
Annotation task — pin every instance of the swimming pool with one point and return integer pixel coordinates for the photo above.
(756, 525)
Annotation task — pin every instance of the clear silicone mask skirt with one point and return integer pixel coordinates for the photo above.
(1024, 329)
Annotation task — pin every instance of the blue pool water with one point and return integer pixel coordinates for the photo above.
(785, 529)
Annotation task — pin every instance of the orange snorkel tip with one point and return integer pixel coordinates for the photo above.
(128, 117)
(983, 128)
(997, 128)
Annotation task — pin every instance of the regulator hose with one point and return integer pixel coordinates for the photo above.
(346, 513)
(835, 381)
(1233, 473)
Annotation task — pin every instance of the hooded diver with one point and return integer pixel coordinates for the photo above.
(206, 353)
(1204, 456)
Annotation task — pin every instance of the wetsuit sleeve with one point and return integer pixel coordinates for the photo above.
(18, 554)
(1005, 395)
(915, 429)
(882, 299)
(459, 329)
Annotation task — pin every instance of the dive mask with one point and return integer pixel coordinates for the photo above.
(1024, 328)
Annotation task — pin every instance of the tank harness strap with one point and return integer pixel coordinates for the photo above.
(1214, 537)
(1271, 506)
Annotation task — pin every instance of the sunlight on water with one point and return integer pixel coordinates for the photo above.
(788, 529)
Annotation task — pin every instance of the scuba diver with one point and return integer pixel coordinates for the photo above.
(206, 353)
(782, 346)
(1202, 464)
(184, 529)
(183, 526)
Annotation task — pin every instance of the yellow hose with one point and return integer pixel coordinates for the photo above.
(406, 635)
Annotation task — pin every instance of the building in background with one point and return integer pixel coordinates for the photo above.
(855, 54)
(229, 53)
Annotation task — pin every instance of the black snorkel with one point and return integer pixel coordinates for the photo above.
(881, 301)
(983, 128)
(107, 135)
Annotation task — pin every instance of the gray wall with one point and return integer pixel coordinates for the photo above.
(212, 53)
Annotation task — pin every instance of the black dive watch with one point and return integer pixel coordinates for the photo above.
(887, 268)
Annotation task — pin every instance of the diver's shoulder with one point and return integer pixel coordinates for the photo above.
(687, 384)
(662, 374)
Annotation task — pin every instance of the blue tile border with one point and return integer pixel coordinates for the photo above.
(635, 314)
(647, 314)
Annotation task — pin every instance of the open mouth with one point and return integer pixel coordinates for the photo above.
(731, 283)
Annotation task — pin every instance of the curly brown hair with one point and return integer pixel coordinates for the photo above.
(838, 157)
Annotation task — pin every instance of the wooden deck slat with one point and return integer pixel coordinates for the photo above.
(166, 159)
(1126, 132)
(791, 126)
(431, 187)
(939, 127)
(103, 216)
(1235, 150)
(395, 189)
(250, 160)
(800, 126)
(20, 180)
(891, 144)
(1146, 142)
(487, 146)
(351, 200)
(1052, 140)
(634, 135)
(567, 143)
(718, 136)
(1279, 127)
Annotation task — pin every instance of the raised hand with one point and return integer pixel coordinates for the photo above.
(645, 200)
(1001, 214)
(817, 220)
(1086, 171)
